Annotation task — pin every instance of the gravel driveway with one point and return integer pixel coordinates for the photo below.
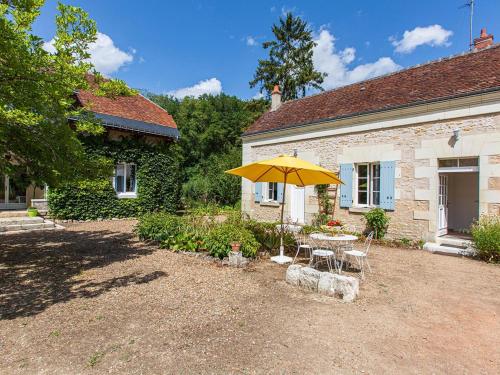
(93, 299)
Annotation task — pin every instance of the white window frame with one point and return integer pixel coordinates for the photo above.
(128, 194)
(266, 196)
(458, 167)
(369, 189)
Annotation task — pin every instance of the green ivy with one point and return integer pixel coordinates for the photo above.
(158, 187)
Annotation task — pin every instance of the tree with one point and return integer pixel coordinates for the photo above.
(290, 62)
(210, 130)
(37, 95)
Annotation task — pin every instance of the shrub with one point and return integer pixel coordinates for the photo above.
(486, 238)
(218, 241)
(268, 235)
(160, 227)
(377, 220)
(89, 200)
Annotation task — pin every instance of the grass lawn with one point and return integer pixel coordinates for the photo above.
(93, 299)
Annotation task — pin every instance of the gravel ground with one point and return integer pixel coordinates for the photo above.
(93, 299)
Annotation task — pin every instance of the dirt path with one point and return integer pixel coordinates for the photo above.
(92, 299)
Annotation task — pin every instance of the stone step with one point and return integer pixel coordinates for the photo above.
(436, 248)
(12, 213)
(4, 221)
(454, 242)
(33, 225)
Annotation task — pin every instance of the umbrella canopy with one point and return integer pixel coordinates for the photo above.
(286, 169)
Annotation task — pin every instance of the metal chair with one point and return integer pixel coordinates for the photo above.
(360, 256)
(321, 253)
(302, 243)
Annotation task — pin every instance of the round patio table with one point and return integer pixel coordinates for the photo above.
(336, 241)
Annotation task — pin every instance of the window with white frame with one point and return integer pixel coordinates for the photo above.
(272, 191)
(124, 182)
(367, 184)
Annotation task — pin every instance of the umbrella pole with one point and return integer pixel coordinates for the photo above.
(282, 247)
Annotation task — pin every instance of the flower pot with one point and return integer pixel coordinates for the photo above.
(32, 212)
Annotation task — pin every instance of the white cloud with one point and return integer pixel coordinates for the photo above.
(209, 86)
(258, 96)
(335, 63)
(105, 56)
(251, 41)
(434, 35)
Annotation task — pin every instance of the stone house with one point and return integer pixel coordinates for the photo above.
(122, 117)
(422, 143)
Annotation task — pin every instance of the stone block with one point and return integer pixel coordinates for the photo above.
(345, 287)
(326, 283)
(293, 274)
(309, 278)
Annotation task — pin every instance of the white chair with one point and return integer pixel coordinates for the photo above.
(360, 256)
(302, 243)
(321, 253)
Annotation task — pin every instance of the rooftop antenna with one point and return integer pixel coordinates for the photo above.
(470, 4)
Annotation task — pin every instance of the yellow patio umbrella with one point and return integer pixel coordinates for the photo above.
(288, 170)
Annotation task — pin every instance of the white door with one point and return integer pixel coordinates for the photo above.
(297, 204)
(443, 205)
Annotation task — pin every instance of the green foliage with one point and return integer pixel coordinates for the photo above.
(209, 184)
(112, 88)
(159, 226)
(218, 241)
(325, 204)
(268, 235)
(158, 185)
(290, 62)
(158, 181)
(178, 233)
(37, 94)
(486, 238)
(210, 141)
(377, 220)
(89, 200)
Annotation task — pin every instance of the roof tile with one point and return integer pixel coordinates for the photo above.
(468, 73)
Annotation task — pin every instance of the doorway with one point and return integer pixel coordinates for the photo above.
(297, 204)
(12, 194)
(458, 196)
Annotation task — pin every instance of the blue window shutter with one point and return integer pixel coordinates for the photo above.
(258, 192)
(387, 184)
(346, 171)
(280, 192)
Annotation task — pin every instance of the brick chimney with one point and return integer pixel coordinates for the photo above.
(275, 98)
(484, 40)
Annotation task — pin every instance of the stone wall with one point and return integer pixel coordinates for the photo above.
(416, 150)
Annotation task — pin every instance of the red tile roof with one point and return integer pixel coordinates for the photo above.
(135, 107)
(458, 75)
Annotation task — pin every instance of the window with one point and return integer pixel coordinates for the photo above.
(125, 180)
(272, 191)
(458, 163)
(368, 184)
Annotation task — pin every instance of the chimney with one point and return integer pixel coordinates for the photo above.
(275, 98)
(483, 41)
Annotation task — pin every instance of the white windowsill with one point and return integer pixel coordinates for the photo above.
(361, 209)
(126, 195)
(270, 203)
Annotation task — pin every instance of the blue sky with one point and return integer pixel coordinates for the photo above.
(191, 47)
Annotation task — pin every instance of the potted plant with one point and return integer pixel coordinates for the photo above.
(32, 212)
(235, 247)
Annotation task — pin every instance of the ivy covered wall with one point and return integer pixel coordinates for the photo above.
(158, 181)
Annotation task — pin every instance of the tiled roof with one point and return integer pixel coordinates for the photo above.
(135, 107)
(458, 75)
